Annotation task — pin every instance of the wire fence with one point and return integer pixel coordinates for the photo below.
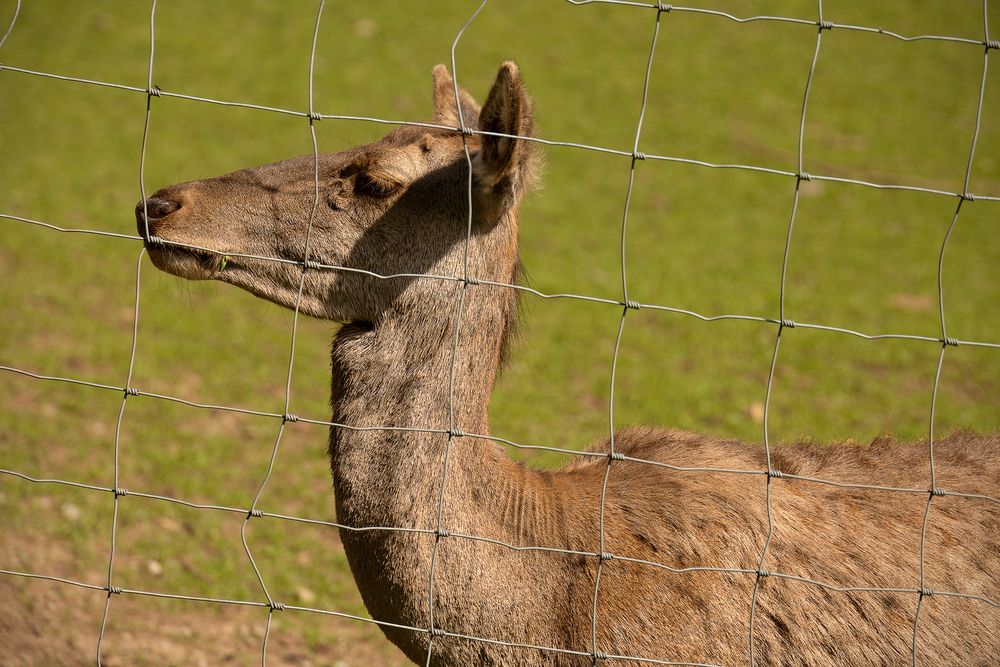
(820, 24)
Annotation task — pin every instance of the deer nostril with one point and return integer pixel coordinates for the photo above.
(157, 208)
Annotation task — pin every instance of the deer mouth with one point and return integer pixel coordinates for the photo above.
(184, 262)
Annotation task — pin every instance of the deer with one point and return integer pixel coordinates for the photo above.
(516, 551)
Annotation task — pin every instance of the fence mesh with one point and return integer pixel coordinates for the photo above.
(466, 281)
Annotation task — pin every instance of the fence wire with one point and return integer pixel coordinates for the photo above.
(467, 281)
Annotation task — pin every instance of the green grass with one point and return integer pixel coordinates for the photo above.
(706, 240)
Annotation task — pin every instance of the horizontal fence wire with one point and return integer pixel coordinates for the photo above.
(473, 281)
(159, 92)
(467, 281)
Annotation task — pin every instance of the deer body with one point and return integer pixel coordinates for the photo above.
(399, 206)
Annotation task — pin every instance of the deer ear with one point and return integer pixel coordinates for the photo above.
(507, 110)
(445, 109)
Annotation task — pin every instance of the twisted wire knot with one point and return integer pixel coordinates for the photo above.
(616, 456)
(153, 92)
(311, 264)
(114, 590)
(825, 25)
(441, 532)
(804, 176)
(632, 304)
(788, 323)
(290, 418)
(777, 474)
(639, 155)
(663, 7)
(315, 116)
(948, 340)
(968, 196)
(471, 281)
(936, 491)
(154, 240)
(926, 592)
(992, 44)
(600, 655)
(606, 555)
(437, 632)
(120, 491)
(456, 432)
(467, 131)
(131, 391)
(276, 606)
(255, 512)
(763, 572)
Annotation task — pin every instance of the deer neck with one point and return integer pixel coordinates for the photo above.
(398, 373)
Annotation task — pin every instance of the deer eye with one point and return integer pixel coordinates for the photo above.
(374, 184)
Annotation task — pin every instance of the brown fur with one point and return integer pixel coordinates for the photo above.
(399, 206)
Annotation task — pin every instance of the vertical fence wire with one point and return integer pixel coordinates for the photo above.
(118, 489)
(603, 553)
(10, 26)
(924, 591)
(783, 323)
(287, 415)
(453, 430)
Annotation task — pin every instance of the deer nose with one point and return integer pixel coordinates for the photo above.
(155, 209)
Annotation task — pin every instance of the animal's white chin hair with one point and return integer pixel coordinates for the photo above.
(191, 265)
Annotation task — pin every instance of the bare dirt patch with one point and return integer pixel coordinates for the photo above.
(50, 623)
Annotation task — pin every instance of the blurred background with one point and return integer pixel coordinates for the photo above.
(706, 240)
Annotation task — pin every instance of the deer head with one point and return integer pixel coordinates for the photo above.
(396, 206)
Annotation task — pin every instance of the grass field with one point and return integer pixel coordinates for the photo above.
(706, 240)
